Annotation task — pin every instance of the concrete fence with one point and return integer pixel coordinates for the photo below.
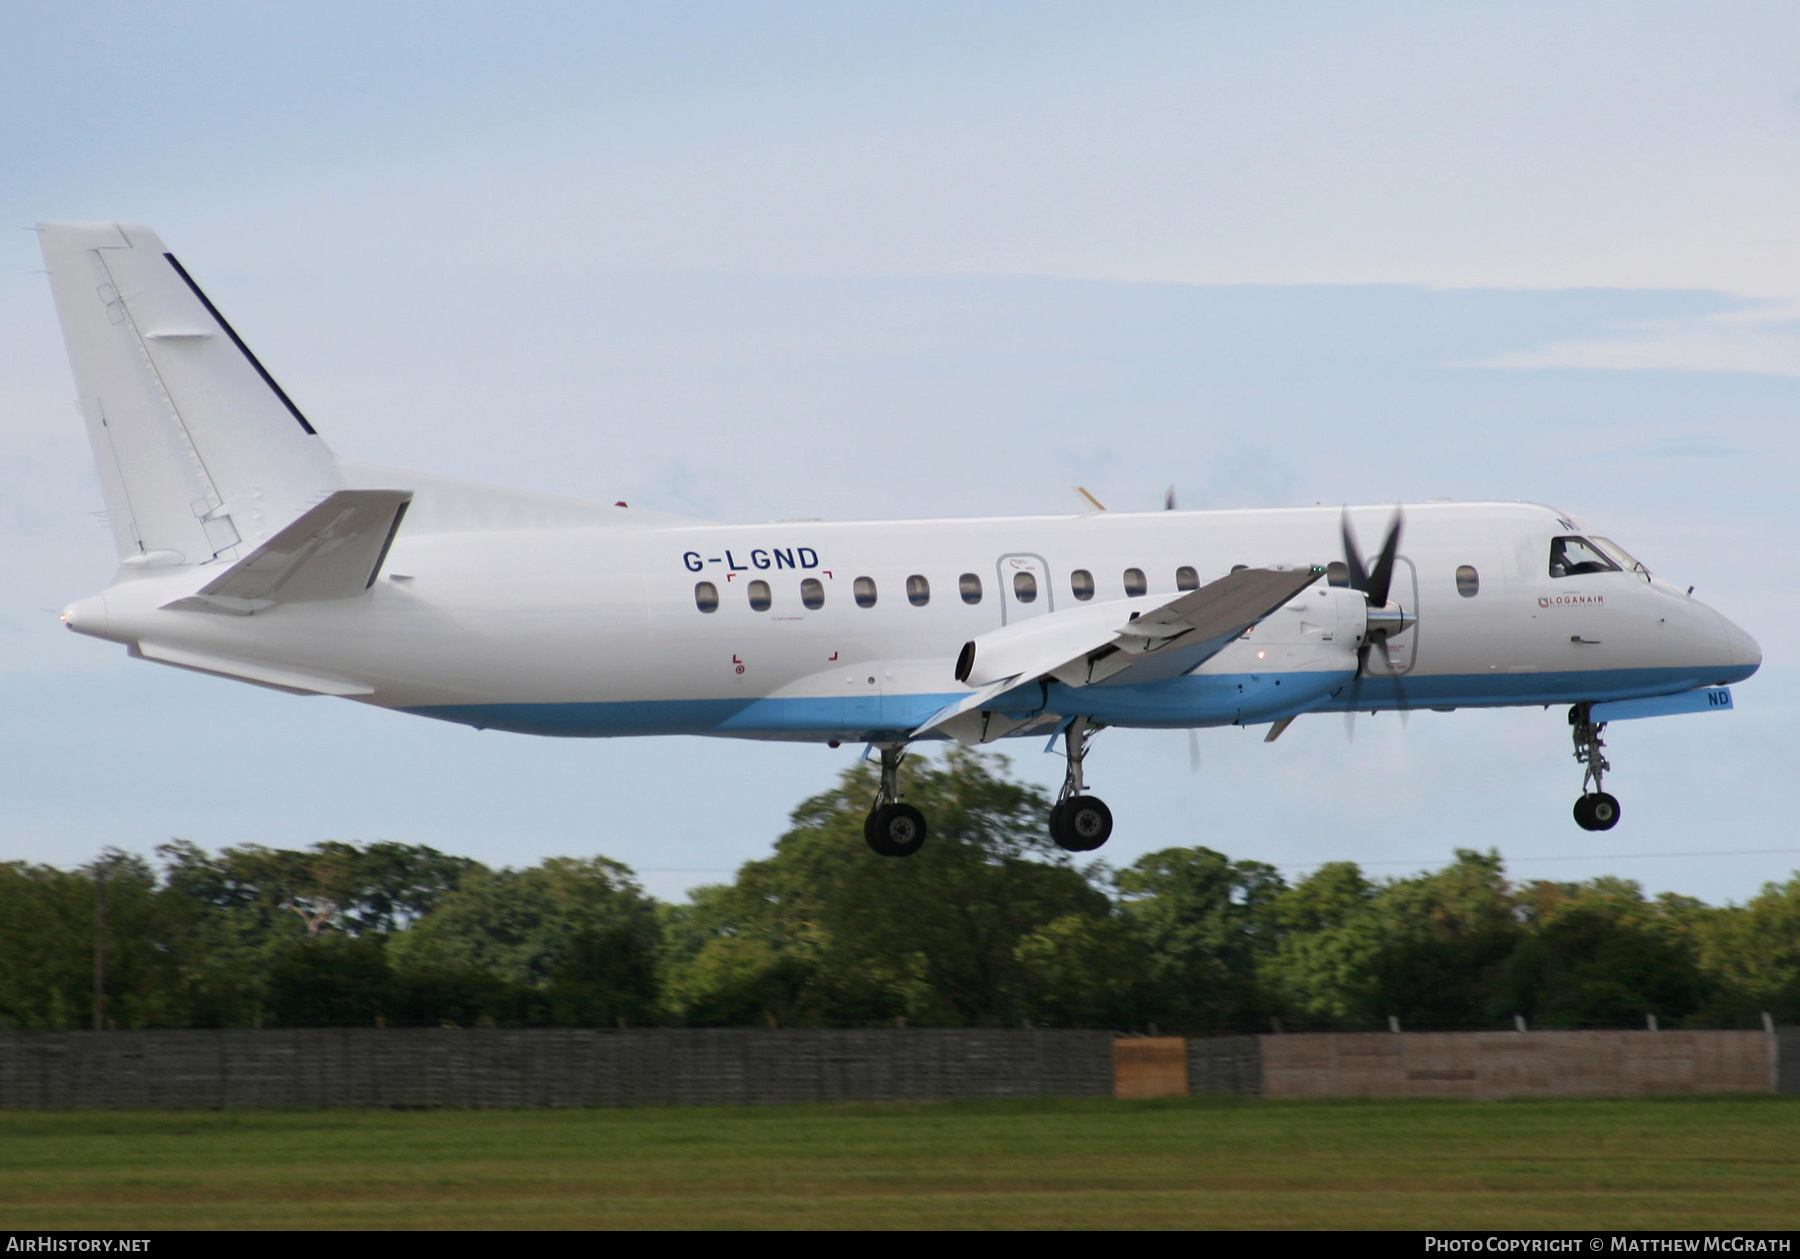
(433, 1067)
(1511, 1064)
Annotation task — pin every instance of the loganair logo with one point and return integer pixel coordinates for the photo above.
(1566, 601)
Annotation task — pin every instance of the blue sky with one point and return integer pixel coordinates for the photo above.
(753, 261)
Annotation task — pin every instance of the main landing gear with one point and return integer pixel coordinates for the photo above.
(1596, 810)
(1079, 822)
(893, 829)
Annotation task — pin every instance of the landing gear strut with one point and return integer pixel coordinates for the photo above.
(1079, 822)
(1596, 810)
(893, 829)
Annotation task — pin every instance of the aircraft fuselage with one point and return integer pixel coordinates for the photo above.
(605, 630)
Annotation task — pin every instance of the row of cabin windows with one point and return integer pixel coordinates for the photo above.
(918, 589)
(1025, 587)
(1468, 581)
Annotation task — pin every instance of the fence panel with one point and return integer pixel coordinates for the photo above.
(438, 1067)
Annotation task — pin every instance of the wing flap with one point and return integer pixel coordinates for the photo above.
(1098, 644)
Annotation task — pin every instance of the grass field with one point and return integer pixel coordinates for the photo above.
(1699, 1163)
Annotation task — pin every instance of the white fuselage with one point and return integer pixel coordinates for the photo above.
(600, 629)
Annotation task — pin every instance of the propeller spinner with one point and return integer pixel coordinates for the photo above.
(1385, 619)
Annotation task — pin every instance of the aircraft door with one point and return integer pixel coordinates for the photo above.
(1025, 589)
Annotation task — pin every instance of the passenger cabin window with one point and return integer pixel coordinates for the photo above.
(1186, 578)
(864, 589)
(812, 593)
(918, 591)
(1337, 573)
(706, 596)
(1135, 584)
(1468, 581)
(1576, 557)
(1025, 587)
(1082, 583)
(970, 587)
(759, 596)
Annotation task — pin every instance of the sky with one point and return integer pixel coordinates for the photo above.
(760, 260)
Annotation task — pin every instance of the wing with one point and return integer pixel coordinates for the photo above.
(1119, 642)
(334, 551)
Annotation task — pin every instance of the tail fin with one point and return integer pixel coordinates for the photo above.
(201, 454)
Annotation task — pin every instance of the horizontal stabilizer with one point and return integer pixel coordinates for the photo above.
(334, 551)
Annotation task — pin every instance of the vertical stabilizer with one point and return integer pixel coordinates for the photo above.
(201, 454)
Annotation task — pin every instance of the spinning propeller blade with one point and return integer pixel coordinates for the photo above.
(1375, 584)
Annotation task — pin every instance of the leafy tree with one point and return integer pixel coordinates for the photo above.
(249, 903)
(606, 976)
(1750, 955)
(48, 923)
(333, 886)
(1207, 924)
(1446, 940)
(46, 947)
(826, 933)
(1087, 970)
(573, 940)
(328, 981)
(1599, 955)
(1323, 968)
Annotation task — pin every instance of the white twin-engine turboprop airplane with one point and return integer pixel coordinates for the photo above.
(247, 549)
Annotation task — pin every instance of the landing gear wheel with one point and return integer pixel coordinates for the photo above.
(1596, 811)
(1081, 823)
(895, 830)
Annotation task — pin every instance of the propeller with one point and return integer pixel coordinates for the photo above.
(1374, 582)
(1384, 620)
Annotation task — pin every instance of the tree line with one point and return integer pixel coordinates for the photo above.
(990, 925)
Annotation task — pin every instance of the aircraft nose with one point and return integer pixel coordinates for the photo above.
(1744, 649)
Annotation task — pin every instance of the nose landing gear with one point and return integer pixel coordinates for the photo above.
(893, 829)
(1595, 810)
(1079, 822)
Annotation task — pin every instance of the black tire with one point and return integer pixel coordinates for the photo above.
(895, 830)
(1584, 817)
(1604, 810)
(1597, 811)
(1081, 824)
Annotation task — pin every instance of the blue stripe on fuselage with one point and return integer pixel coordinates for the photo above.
(1192, 700)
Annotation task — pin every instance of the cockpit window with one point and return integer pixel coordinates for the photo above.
(1574, 557)
(1624, 557)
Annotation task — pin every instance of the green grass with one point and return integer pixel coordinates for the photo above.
(1652, 1164)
